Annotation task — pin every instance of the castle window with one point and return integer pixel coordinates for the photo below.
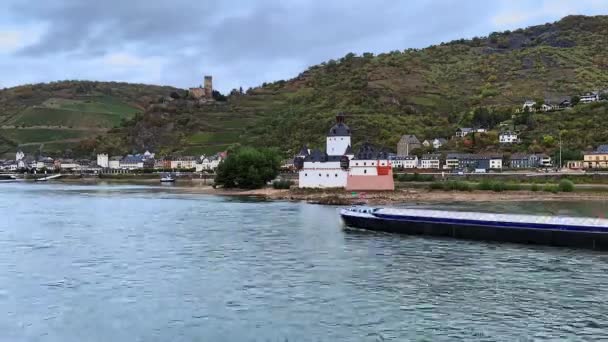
(319, 175)
(364, 164)
(364, 171)
(306, 175)
(328, 175)
(336, 175)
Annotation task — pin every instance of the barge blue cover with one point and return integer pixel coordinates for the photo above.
(533, 229)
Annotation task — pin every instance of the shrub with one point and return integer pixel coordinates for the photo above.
(282, 184)
(535, 187)
(566, 185)
(551, 188)
(415, 177)
(451, 186)
(498, 187)
(512, 187)
(484, 185)
(436, 186)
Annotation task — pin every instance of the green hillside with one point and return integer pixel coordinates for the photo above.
(428, 92)
(57, 116)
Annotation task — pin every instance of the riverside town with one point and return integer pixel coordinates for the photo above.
(297, 171)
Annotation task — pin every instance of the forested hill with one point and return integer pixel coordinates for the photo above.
(55, 117)
(427, 92)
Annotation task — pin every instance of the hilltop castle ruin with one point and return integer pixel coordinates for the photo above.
(205, 92)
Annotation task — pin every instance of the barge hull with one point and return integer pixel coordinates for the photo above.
(561, 238)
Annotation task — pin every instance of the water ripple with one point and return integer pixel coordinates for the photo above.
(131, 263)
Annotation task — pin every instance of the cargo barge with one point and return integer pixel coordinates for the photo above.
(578, 232)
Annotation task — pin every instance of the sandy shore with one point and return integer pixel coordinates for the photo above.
(341, 197)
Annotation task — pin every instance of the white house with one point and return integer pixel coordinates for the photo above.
(183, 163)
(589, 97)
(114, 162)
(496, 162)
(68, 164)
(45, 163)
(209, 163)
(508, 138)
(529, 105)
(407, 162)
(438, 142)
(462, 132)
(148, 155)
(103, 160)
(430, 161)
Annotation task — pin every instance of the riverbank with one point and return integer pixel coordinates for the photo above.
(415, 194)
(341, 197)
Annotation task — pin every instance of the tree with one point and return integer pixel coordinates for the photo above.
(217, 96)
(248, 168)
(574, 100)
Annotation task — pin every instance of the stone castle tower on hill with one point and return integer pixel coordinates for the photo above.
(206, 92)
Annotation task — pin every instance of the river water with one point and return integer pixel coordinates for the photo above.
(137, 263)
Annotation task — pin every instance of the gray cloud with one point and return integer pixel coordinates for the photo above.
(239, 42)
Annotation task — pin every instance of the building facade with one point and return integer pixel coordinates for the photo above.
(430, 161)
(407, 144)
(508, 138)
(597, 159)
(339, 167)
(103, 160)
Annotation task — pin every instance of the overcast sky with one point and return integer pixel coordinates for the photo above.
(240, 43)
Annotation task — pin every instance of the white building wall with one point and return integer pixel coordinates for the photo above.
(508, 138)
(114, 164)
(103, 160)
(336, 146)
(495, 163)
(410, 164)
(322, 175)
(429, 164)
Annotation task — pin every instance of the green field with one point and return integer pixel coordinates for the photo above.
(99, 113)
(23, 136)
(215, 137)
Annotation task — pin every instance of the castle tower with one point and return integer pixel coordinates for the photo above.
(338, 138)
(208, 86)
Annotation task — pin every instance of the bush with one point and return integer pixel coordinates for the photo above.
(566, 185)
(551, 188)
(282, 184)
(484, 185)
(436, 186)
(535, 187)
(512, 187)
(414, 177)
(498, 187)
(451, 186)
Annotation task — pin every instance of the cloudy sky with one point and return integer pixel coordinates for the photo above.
(241, 43)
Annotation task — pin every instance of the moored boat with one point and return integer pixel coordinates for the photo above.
(167, 179)
(564, 231)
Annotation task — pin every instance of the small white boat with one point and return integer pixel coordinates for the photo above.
(167, 179)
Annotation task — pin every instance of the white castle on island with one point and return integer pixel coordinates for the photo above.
(339, 167)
